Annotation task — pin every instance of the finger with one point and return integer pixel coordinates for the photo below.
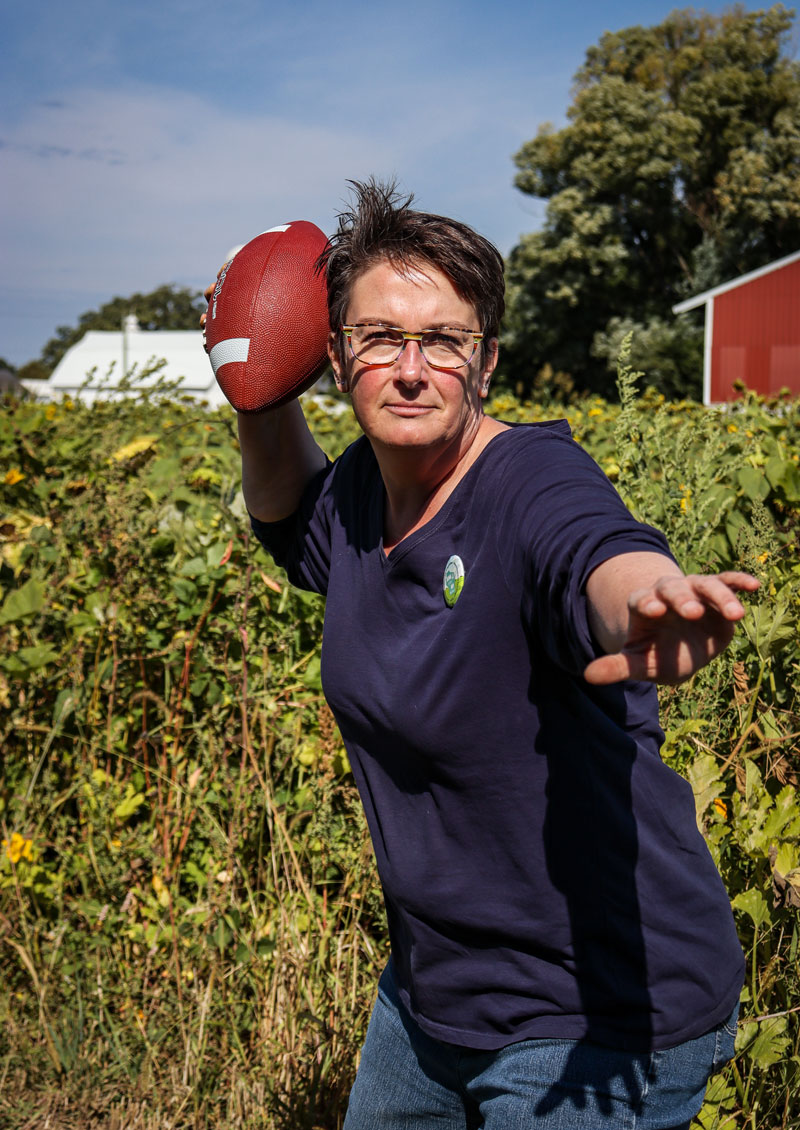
(208, 293)
(649, 665)
(609, 669)
(653, 664)
(717, 592)
(691, 597)
(670, 594)
(738, 580)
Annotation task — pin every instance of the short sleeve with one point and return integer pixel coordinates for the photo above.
(570, 523)
(301, 543)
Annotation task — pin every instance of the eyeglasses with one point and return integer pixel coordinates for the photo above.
(444, 348)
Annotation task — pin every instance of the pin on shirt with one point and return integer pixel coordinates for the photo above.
(453, 580)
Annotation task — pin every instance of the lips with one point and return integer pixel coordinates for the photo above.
(410, 409)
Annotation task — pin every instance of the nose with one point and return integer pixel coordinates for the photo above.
(409, 363)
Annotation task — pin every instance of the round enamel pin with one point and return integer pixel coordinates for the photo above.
(453, 580)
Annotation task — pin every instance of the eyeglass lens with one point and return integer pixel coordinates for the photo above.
(382, 345)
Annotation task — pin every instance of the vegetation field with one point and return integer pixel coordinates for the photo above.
(190, 925)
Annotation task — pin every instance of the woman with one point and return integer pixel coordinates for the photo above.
(563, 952)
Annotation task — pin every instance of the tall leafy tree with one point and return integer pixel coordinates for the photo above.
(679, 168)
(168, 307)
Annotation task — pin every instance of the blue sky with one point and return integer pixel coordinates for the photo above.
(140, 142)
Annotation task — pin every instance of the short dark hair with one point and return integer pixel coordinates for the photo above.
(381, 224)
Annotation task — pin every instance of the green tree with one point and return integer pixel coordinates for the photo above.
(679, 168)
(168, 307)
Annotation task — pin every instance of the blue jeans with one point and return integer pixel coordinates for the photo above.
(409, 1081)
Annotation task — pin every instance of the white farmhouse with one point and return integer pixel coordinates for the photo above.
(93, 367)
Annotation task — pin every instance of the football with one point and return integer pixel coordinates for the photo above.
(266, 327)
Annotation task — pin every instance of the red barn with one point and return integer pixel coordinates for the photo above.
(752, 332)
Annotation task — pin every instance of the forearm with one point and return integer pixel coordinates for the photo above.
(609, 588)
(654, 623)
(279, 457)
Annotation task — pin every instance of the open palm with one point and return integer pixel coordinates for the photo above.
(675, 626)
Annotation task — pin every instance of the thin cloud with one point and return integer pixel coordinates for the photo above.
(174, 179)
(140, 153)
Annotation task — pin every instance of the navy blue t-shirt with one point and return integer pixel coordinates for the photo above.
(542, 868)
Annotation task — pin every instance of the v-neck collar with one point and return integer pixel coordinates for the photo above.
(406, 544)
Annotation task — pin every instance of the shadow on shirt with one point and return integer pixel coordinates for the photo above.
(591, 850)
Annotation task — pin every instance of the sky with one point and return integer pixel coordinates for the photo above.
(140, 142)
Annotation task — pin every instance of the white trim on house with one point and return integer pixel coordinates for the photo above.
(709, 295)
(707, 340)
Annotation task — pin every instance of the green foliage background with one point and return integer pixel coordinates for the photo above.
(678, 169)
(190, 925)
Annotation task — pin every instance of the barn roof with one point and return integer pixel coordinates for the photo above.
(700, 299)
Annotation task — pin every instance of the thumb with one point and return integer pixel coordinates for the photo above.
(609, 669)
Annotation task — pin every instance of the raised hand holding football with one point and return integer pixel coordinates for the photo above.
(266, 328)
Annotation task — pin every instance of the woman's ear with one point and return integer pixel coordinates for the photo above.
(334, 356)
(489, 364)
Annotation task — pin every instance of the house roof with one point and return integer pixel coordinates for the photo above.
(700, 299)
(9, 382)
(93, 367)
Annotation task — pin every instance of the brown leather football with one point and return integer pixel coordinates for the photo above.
(266, 328)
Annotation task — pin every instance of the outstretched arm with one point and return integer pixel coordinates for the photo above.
(655, 623)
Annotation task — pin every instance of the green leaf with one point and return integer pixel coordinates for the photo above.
(193, 872)
(97, 604)
(193, 568)
(312, 676)
(753, 903)
(735, 522)
(787, 859)
(222, 935)
(790, 483)
(704, 777)
(784, 476)
(65, 705)
(130, 804)
(769, 627)
(38, 656)
(81, 623)
(684, 729)
(199, 684)
(22, 602)
(29, 659)
(215, 553)
(162, 545)
(754, 784)
(720, 1099)
(764, 1043)
(184, 590)
(775, 468)
(754, 483)
(783, 821)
